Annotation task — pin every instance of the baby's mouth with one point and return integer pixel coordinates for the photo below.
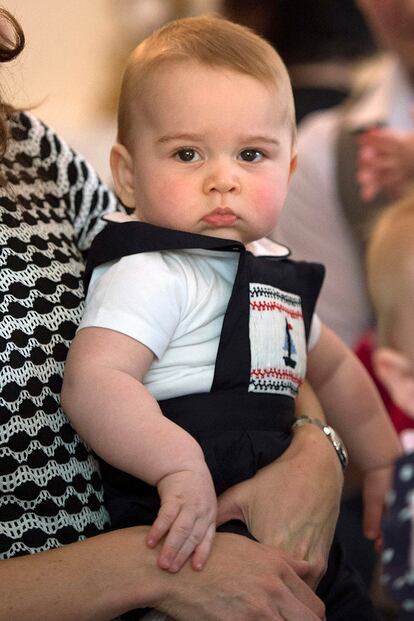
(222, 216)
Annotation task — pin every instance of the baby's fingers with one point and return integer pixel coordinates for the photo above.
(166, 516)
(372, 525)
(185, 535)
(372, 518)
(202, 551)
(179, 543)
(376, 484)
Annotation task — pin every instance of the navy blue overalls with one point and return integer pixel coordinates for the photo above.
(244, 422)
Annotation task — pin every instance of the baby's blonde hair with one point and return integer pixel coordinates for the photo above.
(209, 40)
(390, 268)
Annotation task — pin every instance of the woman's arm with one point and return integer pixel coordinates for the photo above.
(308, 475)
(102, 577)
(95, 579)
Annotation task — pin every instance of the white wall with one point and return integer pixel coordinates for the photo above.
(71, 67)
(61, 73)
(64, 61)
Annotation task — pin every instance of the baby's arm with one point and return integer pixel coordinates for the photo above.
(354, 408)
(105, 399)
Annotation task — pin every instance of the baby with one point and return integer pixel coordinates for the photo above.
(390, 263)
(192, 347)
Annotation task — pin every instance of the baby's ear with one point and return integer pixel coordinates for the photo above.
(396, 372)
(123, 174)
(293, 165)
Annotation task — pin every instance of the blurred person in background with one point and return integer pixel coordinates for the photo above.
(329, 215)
(325, 194)
(390, 272)
(321, 43)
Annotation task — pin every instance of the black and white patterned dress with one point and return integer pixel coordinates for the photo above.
(50, 489)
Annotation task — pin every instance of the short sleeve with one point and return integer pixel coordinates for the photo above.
(315, 332)
(140, 296)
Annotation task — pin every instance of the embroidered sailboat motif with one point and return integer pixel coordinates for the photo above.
(289, 346)
(277, 341)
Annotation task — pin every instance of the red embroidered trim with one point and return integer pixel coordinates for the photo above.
(270, 306)
(278, 373)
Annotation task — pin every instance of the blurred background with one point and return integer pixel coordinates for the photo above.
(70, 71)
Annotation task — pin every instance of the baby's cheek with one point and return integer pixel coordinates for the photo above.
(270, 198)
(169, 195)
(175, 192)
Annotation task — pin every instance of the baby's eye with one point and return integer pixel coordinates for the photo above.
(187, 155)
(251, 155)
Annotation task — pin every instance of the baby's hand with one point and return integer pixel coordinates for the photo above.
(188, 513)
(376, 484)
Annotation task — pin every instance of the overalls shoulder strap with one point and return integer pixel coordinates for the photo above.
(118, 240)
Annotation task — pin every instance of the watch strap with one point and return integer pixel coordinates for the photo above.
(329, 432)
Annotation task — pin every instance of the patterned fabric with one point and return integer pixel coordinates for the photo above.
(277, 341)
(50, 489)
(398, 529)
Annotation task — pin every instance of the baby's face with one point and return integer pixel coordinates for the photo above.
(212, 153)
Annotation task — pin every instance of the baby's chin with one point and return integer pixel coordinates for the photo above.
(219, 232)
(225, 234)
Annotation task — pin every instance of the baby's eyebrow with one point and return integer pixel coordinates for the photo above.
(184, 136)
(261, 139)
(188, 137)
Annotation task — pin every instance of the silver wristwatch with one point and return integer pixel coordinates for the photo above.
(330, 433)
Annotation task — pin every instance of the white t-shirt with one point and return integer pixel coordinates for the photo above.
(174, 303)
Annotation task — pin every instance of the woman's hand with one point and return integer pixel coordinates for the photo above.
(242, 580)
(293, 503)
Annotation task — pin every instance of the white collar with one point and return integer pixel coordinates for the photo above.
(267, 247)
(119, 216)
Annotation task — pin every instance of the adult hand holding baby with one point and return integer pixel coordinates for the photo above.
(306, 534)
